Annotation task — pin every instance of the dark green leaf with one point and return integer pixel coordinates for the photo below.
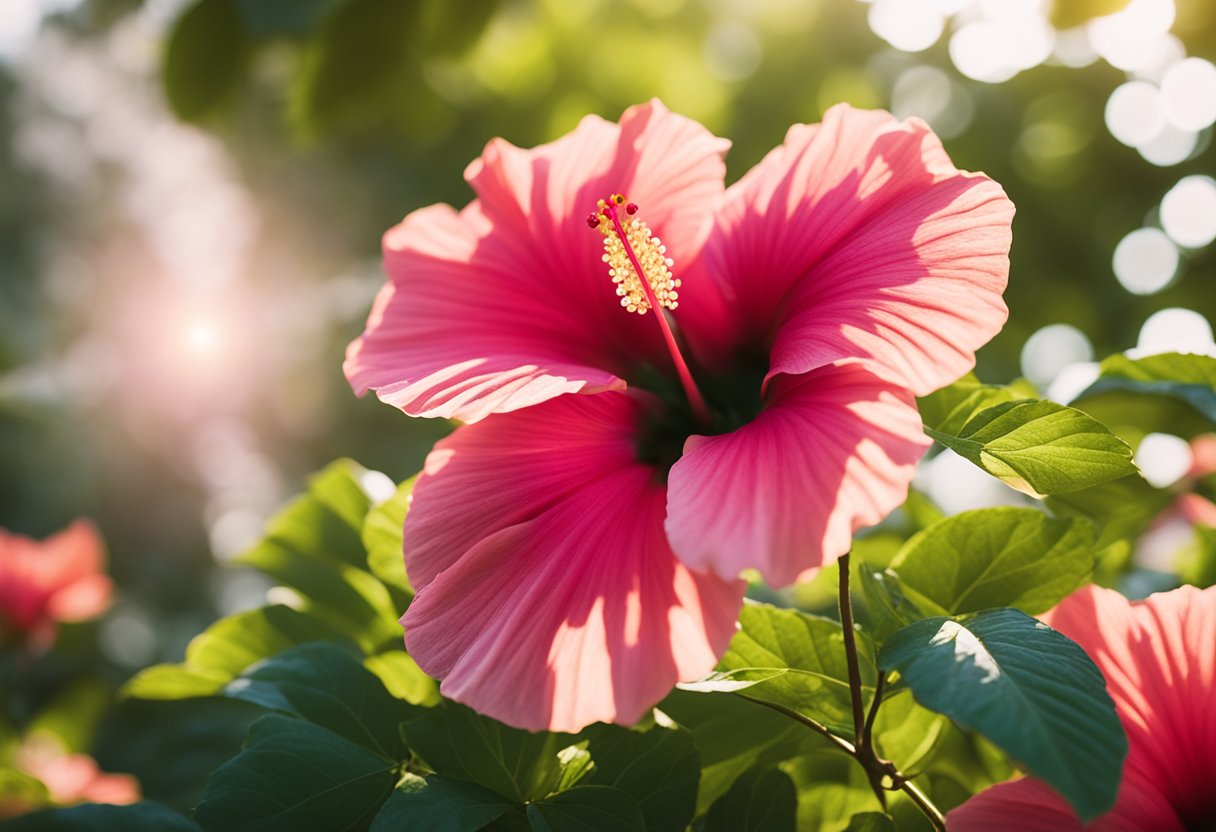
(356, 66)
(225, 649)
(762, 800)
(995, 557)
(587, 809)
(1025, 687)
(659, 768)
(205, 58)
(1122, 509)
(870, 822)
(735, 735)
(325, 685)
(460, 743)
(1040, 447)
(382, 539)
(1186, 378)
(810, 651)
(144, 816)
(294, 776)
(269, 18)
(439, 804)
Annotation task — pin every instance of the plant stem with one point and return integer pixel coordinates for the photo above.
(840, 742)
(863, 723)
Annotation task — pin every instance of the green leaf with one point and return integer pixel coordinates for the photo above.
(205, 59)
(270, 18)
(1040, 447)
(457, 742)
(18, 789)
(1197, 565)
(439, 804)
(356, 66)
(951, 407)
(734, 735)
(659, 768)
(1171, 393)
(403, 677)
(907, 733)
(870, 822)
(1025, 687)
(145, 816)
(587, 809)
(797, 661)
(315, 546)
(832, 788)
(225, 649)
(887, 609)
(995, 557)
(1122, 510)
(382, 539)
(762, 800)
(296, 777)
(327, 686)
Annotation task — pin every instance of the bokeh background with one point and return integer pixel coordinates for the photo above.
(192, 195)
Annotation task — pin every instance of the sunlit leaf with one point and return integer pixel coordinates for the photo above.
(382, 540)
(403, 677)
(1170, 393)
(225, 649)
(1040, 447)
(995, 557)
(951, 407)
(810, 651)
(1025, 687)
(295, 776)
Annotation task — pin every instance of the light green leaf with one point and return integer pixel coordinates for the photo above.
(1040, 447)
(762, 800)
(951, 407)
(439, 804)
(810, 650)
(587, 809)
(1025, 687)
(382, 539)
(403, 677)
(227, 647)
(295, 776)
(870, 822)
(995, 557)
(1169, 393)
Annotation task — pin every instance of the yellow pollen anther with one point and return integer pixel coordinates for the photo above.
(649, 251)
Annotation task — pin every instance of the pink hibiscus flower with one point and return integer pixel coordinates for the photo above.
(576, 555)
(69, 778)
(1159, 660)
(57, 579)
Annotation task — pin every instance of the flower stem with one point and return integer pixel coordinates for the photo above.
(877, 769)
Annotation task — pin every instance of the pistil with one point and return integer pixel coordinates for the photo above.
(638, 264)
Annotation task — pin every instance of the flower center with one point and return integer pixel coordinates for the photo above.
(639, 266)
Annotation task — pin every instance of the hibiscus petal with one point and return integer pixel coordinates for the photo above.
(857, 238)
(568, 607)
(508, 303)
(1160, 668)
(1026, 805)
(834, 450)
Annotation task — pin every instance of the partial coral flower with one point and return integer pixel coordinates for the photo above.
(53, 580)
(69, 778)
(745, 361)
(1159, 660)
